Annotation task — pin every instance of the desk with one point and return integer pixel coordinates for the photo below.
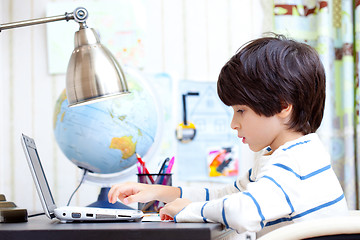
(41, 227)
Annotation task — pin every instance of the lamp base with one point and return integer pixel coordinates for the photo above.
(102, 201)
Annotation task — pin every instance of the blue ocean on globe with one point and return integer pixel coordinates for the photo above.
(103, 137)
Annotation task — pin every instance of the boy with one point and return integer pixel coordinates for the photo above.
(276, 88)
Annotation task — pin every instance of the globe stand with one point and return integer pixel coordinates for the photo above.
(102, 201)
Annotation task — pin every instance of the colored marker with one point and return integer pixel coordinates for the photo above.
(171, 163)
(144, 168)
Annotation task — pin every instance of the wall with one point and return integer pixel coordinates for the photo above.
(189, 39)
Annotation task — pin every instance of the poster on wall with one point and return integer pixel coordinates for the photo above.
(213, 153)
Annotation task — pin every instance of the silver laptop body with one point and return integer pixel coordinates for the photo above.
(68, 213)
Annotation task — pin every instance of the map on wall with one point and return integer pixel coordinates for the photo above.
(212, 121)
(120, 25)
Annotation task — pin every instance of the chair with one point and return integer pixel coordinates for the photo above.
(344, 227)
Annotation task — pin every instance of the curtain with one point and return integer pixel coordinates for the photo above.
(332, 27)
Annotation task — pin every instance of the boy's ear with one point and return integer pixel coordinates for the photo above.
(286, 111)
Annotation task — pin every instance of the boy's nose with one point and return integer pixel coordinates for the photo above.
(233, 124)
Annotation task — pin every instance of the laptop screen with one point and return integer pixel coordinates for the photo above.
(38, 175)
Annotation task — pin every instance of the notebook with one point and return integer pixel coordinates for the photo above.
(68, 213)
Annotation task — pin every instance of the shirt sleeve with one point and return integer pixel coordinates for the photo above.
(243, 211)
(196, 194)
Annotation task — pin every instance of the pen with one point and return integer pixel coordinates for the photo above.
(168, 171)
(171, 163)
(163, 165)
(144, 168)
(160, 177)
(139, 168)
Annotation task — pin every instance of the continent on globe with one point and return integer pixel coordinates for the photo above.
(125, 144)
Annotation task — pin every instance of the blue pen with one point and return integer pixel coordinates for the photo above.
(161, 171)
(163, 165)
(168, 171)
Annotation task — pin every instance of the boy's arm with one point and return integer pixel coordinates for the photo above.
(196, 194)
(243, 211)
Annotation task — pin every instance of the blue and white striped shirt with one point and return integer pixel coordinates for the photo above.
(294, 183)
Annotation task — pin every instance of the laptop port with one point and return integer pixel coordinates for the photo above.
(105, 216)
(75, 215)
(89, 215)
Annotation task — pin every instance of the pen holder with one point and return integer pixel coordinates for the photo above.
(162, 179)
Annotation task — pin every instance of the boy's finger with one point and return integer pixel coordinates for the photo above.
(110, 194)
(132, 198)
(117, 193)
(163, 214)
(141, 196)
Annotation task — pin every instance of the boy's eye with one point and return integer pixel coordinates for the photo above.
(240, 111)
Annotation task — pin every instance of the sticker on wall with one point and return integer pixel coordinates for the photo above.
(223, 161)
(185, 132)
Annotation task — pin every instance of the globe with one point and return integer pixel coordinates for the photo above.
(103, 137)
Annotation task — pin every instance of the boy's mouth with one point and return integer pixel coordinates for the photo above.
(243, 139)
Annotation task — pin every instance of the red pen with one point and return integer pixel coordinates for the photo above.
(144, 168)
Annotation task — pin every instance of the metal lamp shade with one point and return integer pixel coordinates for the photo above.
(93, 73)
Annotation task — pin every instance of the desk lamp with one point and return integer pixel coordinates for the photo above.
(93, 73)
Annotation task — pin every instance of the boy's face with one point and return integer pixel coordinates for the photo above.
(258, 131)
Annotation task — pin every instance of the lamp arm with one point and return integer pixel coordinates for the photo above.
(80, 15)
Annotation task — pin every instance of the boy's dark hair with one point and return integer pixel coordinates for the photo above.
(269, 73)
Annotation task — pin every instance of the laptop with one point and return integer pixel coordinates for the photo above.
(69, 213)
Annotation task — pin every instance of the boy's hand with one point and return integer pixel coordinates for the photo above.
(138, 192)
(131, 192)
(171, 209)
